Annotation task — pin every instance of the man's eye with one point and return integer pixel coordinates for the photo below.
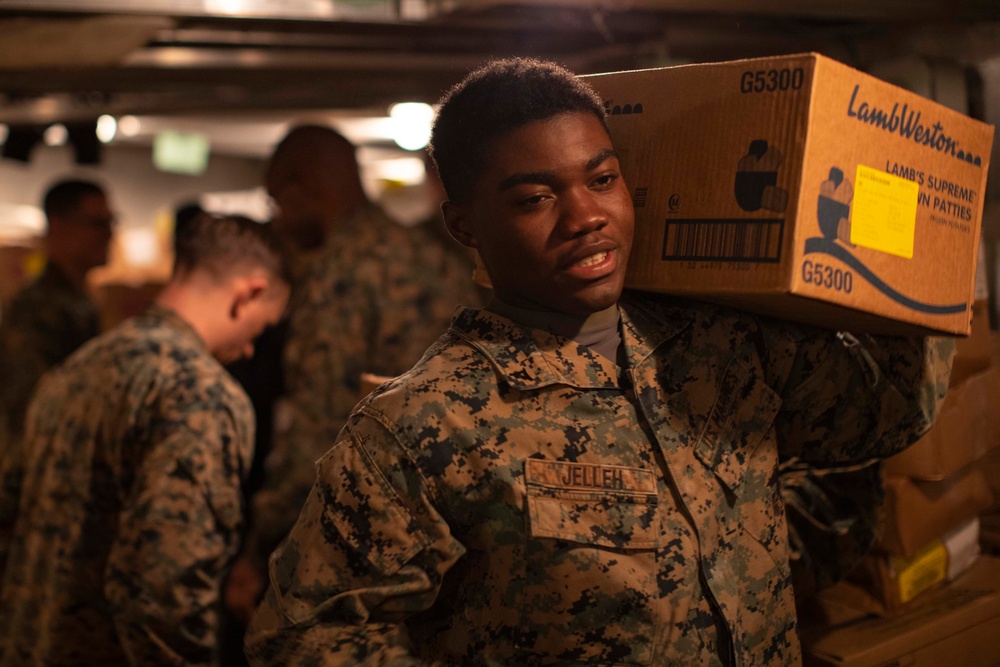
(605, 180)
(533, 200)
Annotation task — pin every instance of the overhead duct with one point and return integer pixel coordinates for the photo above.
(96, 41)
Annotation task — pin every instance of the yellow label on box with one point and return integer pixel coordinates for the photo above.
(884, 212)
(926, 568)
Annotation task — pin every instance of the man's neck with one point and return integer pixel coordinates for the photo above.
(73, 275)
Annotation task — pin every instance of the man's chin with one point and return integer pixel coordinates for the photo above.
(594, 301)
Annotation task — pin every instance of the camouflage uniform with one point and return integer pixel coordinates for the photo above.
(44, 324)
(834, 517)
(518, 499)
(129, 506)
(373, 300)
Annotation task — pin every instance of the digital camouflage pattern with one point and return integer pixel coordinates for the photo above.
(834, 517)
(373, 300)
(123, 506)
(45, 322)
(517, 499)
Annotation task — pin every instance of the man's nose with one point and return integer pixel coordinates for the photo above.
(582, 213)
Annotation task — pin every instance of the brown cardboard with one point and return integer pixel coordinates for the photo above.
(895, 583)
(974, 353)
(917, 512)
(989, 533)
(989, 466)
(790, 186)
(967, 427)
(956, 625)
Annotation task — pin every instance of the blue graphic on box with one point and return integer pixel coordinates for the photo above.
(756, 179)
(833, 211)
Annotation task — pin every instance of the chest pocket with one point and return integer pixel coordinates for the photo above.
(590, 590)
(744, 410)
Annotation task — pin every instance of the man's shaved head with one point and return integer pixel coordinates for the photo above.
(314, 180)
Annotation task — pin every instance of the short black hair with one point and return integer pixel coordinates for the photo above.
(63, 197)
(497, 98)
(224, 244)
(183, 216)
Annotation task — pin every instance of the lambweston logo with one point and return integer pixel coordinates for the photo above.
(907, 123)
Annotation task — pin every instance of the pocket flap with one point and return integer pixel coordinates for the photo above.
(607, 505)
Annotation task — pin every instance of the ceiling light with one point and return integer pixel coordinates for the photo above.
(129, 126)
(55, 135)
(107, 126)
(412, 123)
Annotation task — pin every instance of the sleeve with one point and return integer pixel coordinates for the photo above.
(178, 530)
(368, 550)
(849, 399)
(330, 338)
(11, 480)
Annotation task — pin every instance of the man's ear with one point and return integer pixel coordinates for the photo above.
(456, 220)
(246, 291)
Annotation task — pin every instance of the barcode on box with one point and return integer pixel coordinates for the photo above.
(732, 240)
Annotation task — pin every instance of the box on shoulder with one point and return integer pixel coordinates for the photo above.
(801, 188)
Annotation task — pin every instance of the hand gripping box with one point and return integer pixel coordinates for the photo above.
(801, 188)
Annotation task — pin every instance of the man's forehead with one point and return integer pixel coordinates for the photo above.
(93, 203)
(543, 147)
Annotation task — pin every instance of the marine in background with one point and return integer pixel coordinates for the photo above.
(53, 316)
(121, 509)
(370, 296)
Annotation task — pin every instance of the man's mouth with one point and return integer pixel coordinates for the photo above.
(596, 258)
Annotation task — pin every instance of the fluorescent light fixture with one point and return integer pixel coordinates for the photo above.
(107, 126)
(180, 152)
(403, 170)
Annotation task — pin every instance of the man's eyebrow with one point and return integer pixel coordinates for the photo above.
(544, 177)
(549, 177)
(597, 160)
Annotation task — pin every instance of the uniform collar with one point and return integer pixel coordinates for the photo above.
(533, 358)
(649, 321)
(164, 315)
(55, 277)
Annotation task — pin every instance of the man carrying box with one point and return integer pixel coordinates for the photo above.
(575, 474)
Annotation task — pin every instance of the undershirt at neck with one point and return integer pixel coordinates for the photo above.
(599, 331)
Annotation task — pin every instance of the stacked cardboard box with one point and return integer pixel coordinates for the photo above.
(937, 489)
(955, 625)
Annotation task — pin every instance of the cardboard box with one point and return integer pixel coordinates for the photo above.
(956, 625)
(967, 428)
(989, 533)
(917, 512)
(989, 466)
(974, 353)
(895, 582)
(801, 188)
